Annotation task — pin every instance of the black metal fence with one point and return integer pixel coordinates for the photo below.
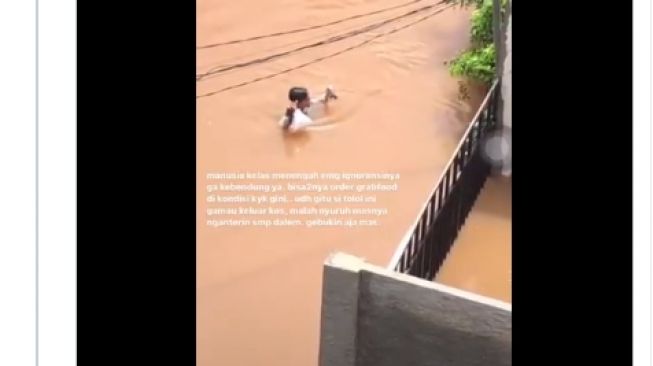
(423, 250)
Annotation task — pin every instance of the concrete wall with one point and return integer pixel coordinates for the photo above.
(375, 317)
(339, 315)
(506, 90)
(506, 86)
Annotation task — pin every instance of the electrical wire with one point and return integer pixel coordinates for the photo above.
(261, 52)
(329, 40)
(270, 76)
(298, 30)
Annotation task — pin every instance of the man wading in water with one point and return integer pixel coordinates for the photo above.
(297, 115)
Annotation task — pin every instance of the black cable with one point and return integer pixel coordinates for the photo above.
(270, 76)
(263, 52)
(254, 38)
(329, 40)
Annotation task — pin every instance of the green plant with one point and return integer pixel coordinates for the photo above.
(478, 63)
(482, 24)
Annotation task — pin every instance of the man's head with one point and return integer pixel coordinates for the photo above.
(300, 96)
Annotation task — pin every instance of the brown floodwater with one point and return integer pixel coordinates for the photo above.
(399, 111)
(480, 259)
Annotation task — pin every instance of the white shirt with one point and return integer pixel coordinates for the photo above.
(299, 122)
(301, 119)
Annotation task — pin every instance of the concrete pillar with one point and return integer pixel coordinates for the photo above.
(339, 314)
(506, 93)
(500, 145)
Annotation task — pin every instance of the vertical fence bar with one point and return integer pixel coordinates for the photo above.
(447, 208)
(440, 197)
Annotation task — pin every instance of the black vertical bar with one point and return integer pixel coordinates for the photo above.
(440, 196)
(427, 213)
(420, 259)
(428, 256)
(464, 197)
(483, 124)
(423, 260)
(422, 231)
(413, 245)
(494, 108)
(403, 258)
(451, 228)
(444, 233)
(463, 154)
(491, 108)
(457, 208)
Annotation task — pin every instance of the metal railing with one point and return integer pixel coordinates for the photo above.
(427, 243)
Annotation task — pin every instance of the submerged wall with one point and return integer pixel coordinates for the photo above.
(375, 317)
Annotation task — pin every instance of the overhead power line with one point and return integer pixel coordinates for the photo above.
(270, 76)
(298, 30)
(329, 40)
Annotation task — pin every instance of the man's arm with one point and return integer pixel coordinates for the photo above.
(322, 99)
(325, 97)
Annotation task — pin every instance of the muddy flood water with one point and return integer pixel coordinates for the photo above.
(399, 111)
(480, 259)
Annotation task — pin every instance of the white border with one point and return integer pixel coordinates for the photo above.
(641, 183)
(38, 314)
(57, 182)
(17, 183)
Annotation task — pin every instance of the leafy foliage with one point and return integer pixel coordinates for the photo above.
(482, 24)
(478, 63)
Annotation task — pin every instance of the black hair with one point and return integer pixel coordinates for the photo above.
(290, 113)
(295, 94)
